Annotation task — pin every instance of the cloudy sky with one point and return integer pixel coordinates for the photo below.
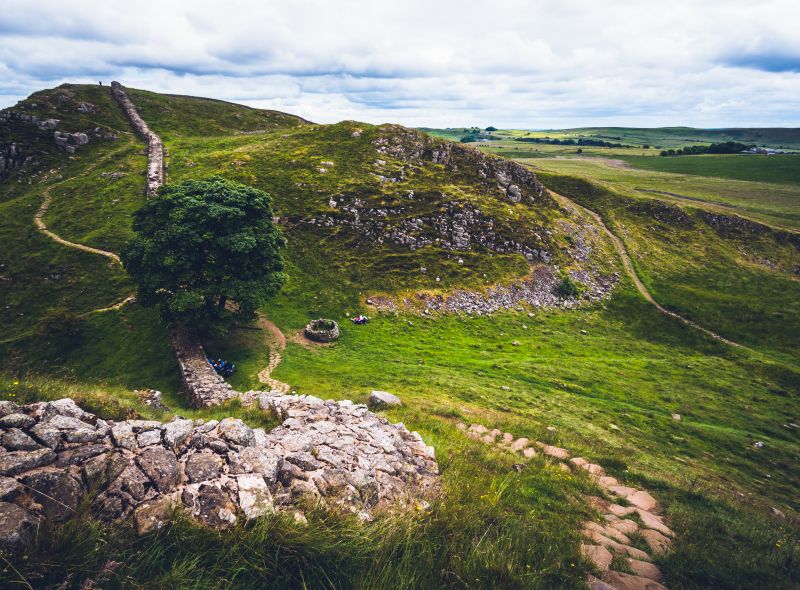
(438, 63)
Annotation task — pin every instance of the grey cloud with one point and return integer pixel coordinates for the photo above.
(766, 62)
(523, 63)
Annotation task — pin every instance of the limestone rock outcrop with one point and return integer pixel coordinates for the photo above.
(514, 181)
(12, 156)
(455, 226)
(335, 453)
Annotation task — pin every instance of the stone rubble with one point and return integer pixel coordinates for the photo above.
(383, 399)
(538, 290)
(609, 538)
(336, 453)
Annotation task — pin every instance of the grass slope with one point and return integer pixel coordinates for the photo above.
(741, 283)
(607, 376)
(774, 169)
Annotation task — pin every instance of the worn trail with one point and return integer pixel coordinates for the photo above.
(619, 246)
(42, 227)
(610, 541)
(277, 343)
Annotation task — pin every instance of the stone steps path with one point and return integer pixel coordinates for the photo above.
(631, 518)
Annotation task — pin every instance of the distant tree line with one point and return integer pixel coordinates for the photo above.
(728, 147)
(475, 134)
(579, 141)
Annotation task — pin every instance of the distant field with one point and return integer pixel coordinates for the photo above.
(780, 169)
(668, 137)
(516, 149)
(764, 188)
(777, 204)
(660, 138)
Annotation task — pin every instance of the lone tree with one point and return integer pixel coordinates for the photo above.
(201, 244)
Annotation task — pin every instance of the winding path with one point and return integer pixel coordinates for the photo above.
(277, 343)
(40, 225)
(619, 246)
(609, 541)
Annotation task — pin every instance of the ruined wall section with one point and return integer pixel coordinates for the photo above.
(54, 454)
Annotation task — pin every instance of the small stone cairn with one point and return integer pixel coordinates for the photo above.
(322, 330)
(640, 516)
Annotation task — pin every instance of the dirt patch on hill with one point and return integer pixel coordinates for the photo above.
(610, 162)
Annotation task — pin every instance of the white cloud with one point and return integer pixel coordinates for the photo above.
(540, 63)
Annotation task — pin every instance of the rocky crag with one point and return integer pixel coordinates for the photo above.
(14, 155)
(509, 179)
(453, 224)
(54, 456)
(454, 227)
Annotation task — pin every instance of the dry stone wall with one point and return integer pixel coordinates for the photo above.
(155, 147)
(202, 385)
(336, 453)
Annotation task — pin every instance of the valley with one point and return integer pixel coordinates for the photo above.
(672, 363)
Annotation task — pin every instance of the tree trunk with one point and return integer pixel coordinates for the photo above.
(222, 301)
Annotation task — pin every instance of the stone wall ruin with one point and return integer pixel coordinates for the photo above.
(336, 453)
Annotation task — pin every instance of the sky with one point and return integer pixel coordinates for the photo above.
(532, 64)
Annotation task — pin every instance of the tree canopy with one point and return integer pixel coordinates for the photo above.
(727, 147)
(202, 244)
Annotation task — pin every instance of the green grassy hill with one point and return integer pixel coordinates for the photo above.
(603, 379)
